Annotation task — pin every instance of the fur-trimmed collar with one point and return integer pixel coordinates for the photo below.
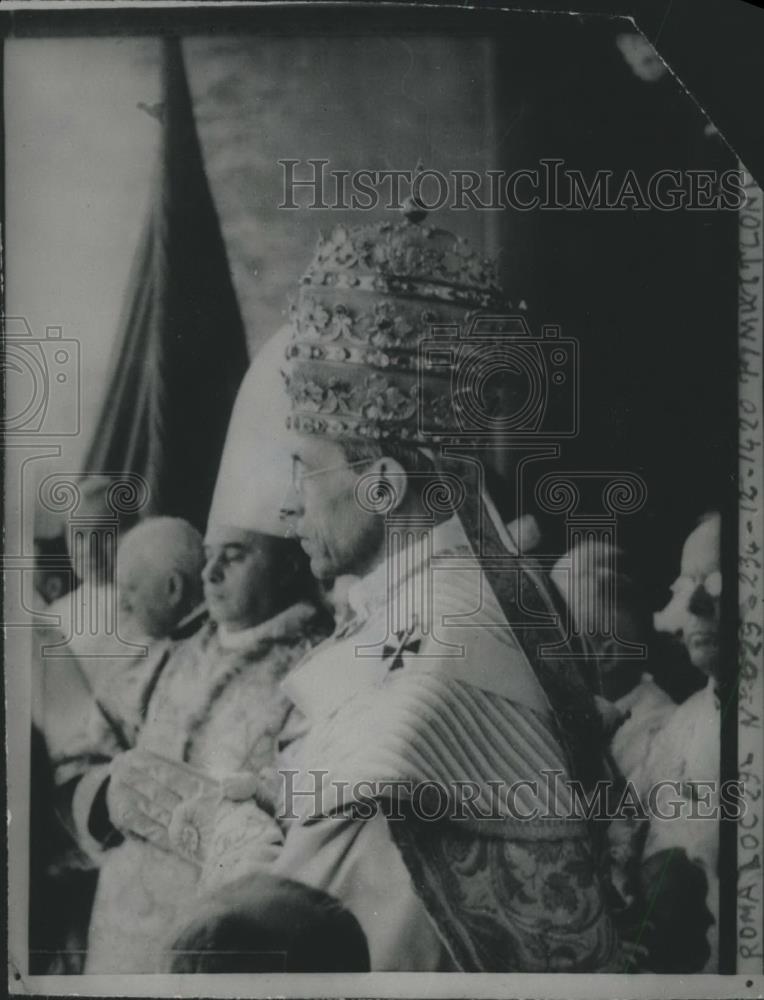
(283, 627)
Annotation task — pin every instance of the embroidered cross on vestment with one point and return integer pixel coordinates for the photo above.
(403, 644)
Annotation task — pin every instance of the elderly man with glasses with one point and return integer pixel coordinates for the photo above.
(421, 789)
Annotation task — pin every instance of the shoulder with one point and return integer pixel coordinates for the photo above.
(173, 665)
(196, 643)
(693, 725)
(302, 622)
(317, 626)
(306, 628)
(293, 635)
(646, 697)
(425, 727)
(467, 641)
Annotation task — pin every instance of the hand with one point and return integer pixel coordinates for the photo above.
(242, 838)
(133, 803)
(146, 790)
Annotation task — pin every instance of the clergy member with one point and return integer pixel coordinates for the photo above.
(676, 772)
(189, 808)
(87, 708)
(422, 792)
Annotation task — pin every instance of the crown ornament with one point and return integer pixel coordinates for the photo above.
(413, 210)
(368, 299)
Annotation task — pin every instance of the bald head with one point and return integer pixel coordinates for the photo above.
(159, 566)
(694, 612)
(608, 607)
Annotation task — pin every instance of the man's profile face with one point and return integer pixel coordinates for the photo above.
(238, 565)
(337, 535)
(693, 612)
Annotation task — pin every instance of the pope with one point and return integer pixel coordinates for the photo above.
(426, 691)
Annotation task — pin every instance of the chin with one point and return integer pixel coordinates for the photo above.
(322, 568)
(705, 661)
(216, 610)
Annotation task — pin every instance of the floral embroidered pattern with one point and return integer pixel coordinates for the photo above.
(414, 251)
(510, 905)
(191, 826)
(387, 402)
(375, 399)
(383, 326)
(315, 398)
(440, 411)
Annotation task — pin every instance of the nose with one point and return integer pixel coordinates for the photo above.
(291, 512)
(701, 603)
(670, 618)
(212, 572)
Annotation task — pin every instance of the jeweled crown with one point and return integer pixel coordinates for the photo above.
(369, 298)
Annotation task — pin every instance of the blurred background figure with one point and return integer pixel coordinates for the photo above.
(159, 600)
(525, 533)
(159, 566)
(692, 614)
(608, 607)
(88, 708)
(52, 573)
(79, 699)
(86, 608)
(654, 738)
(684, 650)
(679, 865)
(61, 878)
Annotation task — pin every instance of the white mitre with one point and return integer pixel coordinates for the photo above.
(256, 466)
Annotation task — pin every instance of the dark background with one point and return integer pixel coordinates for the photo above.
(714, 47)
(650, 296)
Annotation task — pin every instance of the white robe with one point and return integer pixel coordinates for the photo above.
(217, 707)
(440, 693)
(678, 743)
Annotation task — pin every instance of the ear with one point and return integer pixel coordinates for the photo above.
(391, 487)
(175, 588)
(53, 588)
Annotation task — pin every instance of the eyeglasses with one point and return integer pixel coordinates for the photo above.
(299, 475)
